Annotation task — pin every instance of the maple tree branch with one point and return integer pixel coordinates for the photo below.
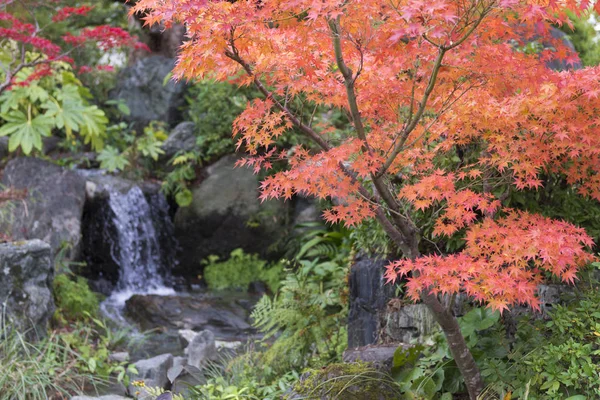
(404, 224)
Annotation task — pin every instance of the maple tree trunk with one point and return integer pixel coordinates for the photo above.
(458, 347)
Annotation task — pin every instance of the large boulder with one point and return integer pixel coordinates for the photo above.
(226, 214)
(53, 208)
(141, 88)
(201, 349)
(26, 274)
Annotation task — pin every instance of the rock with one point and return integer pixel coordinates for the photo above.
(367, 304)
(26, 274)
(141, 87)
(53, 208)
(186, 336)
(3, 147)
(153, 372)
(202, 349)
(179, 364)
(182, 138)
(557, 64)
(119, 357)
(380, 356)
(221, 315)
(407, 323)
(108, 397)
(227, 214)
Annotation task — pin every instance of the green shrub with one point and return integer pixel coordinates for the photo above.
(239, 271)
(74, 299)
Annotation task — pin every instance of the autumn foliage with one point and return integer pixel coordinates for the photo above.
(452, 107)
(31, 38)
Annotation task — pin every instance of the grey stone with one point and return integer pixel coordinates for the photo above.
(141, 87)
(179, 364)
(407, 323)
(181, 138)
(153, 372)
(202, 349)
(53, 208)
(119, 357)
(3, 147)
(186, 336)
(226, 214)
(26, 274)
(380, 356)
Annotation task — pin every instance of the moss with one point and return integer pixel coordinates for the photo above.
(74, 299)
(352, 381)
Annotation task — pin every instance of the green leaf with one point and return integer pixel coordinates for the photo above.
(112, 160)
(25, 133)
(184, 198)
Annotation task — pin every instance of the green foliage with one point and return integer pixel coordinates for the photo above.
(356, 381)
(585, 38)
(308, 313)
(244, 377)
(131, 153)
(39, 371)
(213, 106)
(557, 358)
(73, 298)
(57, 102)
(239, 271)
(427, 372)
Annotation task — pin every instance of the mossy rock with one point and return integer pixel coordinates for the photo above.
(345, 381)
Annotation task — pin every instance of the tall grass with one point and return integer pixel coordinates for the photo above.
(39, 371)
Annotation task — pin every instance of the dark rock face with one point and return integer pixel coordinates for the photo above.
(53, 208)
(368, 299)
(225, 317)
(101, 249)
(141, 87)
(226, 214)
(380, 356)
(26, 274)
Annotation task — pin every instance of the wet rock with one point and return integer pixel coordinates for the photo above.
(53, 208)
(141, 87)
(153, 372)
(221, 315)
(202, 349)
(181, 139)
(26, 274)
(368, 299)
(186, 336)
(226, 214)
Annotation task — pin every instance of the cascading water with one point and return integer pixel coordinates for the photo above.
(137, 248)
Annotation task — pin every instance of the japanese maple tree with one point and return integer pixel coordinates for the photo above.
(30, 37)
(450, 111)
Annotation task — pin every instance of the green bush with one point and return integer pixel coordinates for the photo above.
(239, 271)
(74, 299)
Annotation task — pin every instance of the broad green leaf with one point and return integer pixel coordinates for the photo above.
(26, 133)
(184, 198)
(112, 160)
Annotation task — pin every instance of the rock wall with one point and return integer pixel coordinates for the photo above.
(26, 274)
(53, 208)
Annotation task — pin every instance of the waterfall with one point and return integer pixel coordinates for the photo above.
(140, 244)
